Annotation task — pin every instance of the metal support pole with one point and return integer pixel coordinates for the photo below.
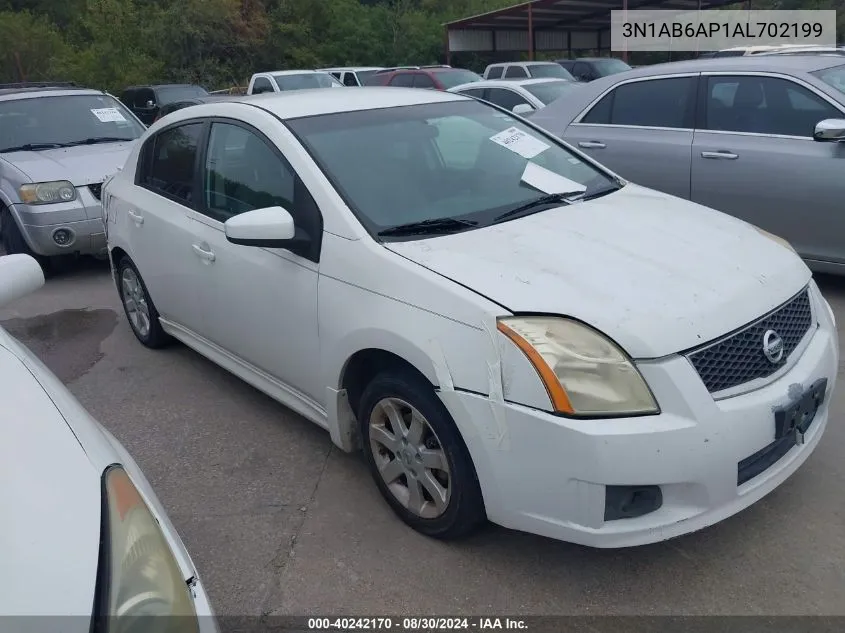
(530, 34)
(448, 47)
(625, 17)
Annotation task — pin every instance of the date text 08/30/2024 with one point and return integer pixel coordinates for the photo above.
(415, 624)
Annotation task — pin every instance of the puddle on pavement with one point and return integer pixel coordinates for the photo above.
(68, 341)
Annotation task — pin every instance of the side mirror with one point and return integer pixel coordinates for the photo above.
(20, 275)
(271, 227)
(830, 130)
(151, 104)
(523, 108)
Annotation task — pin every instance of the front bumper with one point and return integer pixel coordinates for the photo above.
(548, 475)
(83, 218)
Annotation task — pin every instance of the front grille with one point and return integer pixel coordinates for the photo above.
(738, 358)
(96, 189)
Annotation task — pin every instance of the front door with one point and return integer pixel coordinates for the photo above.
(754, 157)
(260, 304)
(642, 130)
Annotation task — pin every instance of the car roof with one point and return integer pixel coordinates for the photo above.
(162, 86)
(33, 93)
(302, 71)
(352, 68)
(315, 101)
(773, 63)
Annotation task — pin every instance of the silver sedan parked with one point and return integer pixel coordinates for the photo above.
(757, 137)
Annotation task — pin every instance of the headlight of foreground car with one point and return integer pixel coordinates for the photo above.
(776, 238)
(144, 587)
(584, 373)
(47, 192)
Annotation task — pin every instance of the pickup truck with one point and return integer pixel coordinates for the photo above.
(284, 80)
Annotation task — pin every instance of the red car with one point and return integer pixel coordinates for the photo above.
(432, 77)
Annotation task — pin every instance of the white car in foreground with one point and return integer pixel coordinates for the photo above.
(508, 330)
(83, 533)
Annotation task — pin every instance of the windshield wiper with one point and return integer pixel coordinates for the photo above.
(598, 192)
(534, 205)
(30, 147)
(97, 139)
(429, 227)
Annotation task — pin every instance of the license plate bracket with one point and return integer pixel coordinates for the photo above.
(796, 417)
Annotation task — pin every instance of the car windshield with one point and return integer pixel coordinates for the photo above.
(610, 66)
(550, 70)
(171, 94)
(304, 81)
(442, 160)
(452, 78)
(834, 77)
(548, 91)
(44, 122)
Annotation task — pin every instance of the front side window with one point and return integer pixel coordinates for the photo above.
(171, 94)
(652, 103)
(41, 123)
(450, 165)
(421, 80)
(605, 67)
(402, 80)
(243, 173)
(495, 72)
(764, 105)
(261, 85)
(349, 79)
(170, 169)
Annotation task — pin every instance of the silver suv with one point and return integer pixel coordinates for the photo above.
(58, 143)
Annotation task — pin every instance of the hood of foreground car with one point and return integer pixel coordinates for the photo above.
(656, 273)
(50, 496)
(82, 165)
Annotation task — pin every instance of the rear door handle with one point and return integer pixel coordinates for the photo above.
(136, 217)
(592, 145)
(204, 252)
(721, 154)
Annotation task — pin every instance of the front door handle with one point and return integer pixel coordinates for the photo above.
(204, 252)
(137, 218)
(592, 145)
(721, 154)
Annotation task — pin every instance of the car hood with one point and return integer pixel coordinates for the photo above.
(81, 165)
(656, 273)
(50, 495)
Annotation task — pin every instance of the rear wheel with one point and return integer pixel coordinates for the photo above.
(418, 458)
(139, 308)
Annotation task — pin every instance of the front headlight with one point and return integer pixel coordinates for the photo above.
(776, 238)
(140, 577)
(47, 192)
(584, 372)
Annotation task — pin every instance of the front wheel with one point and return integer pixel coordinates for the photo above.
(418, 458)
(14, 242)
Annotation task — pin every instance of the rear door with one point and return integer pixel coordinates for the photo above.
(754, 157)
(642, 129)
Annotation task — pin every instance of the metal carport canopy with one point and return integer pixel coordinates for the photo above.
(551, 25)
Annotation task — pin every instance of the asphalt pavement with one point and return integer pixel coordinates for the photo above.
(280, 522)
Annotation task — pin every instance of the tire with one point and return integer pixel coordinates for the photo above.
(14, 242)
(139, 307)
(461, 510)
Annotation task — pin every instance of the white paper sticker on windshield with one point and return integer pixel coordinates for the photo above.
(548, 181)
(108, 115)
(520, 142)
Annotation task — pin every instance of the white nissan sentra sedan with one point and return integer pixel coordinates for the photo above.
(82, 534)
(508, 329)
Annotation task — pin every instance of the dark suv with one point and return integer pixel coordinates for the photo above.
(145, 101)
(590, 68)
(434, 77)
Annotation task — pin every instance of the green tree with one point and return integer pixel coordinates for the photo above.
(29, 46)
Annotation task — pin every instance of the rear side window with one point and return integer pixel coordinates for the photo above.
(349, 79)
(168, 161)
(402, 80)
(495, 72)
(654, 103)
(421, 80)
(516, 72)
